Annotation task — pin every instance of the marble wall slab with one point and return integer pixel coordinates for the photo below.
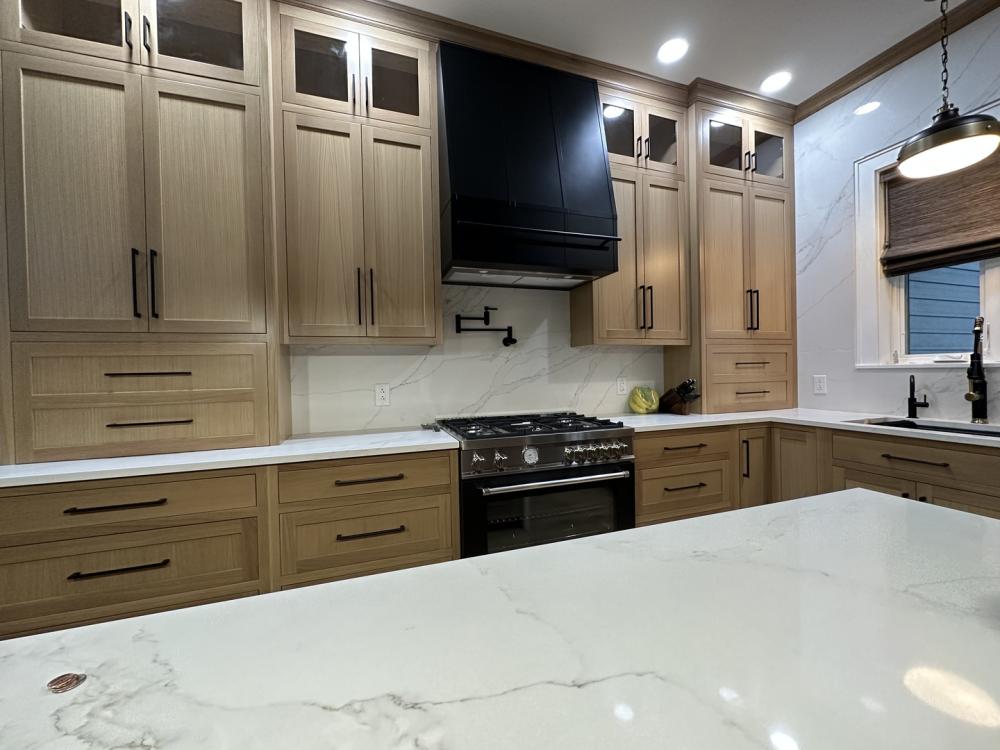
(827, 145)
(471, 373)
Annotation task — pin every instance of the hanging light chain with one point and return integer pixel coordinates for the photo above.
(944, 56)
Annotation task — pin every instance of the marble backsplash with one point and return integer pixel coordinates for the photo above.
(470, 373)
(827, 145)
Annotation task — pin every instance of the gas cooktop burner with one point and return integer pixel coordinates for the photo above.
(526, 424)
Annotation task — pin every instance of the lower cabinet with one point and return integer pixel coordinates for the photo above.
(795, 457)
(849, 479)
(755, 466)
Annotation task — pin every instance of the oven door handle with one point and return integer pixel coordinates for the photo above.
(508, 489)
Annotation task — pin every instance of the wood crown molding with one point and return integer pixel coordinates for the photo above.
(961, 16)
(703, 90)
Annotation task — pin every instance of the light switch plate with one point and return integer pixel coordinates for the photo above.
(820, 386)
(382, 394)
(622, 387)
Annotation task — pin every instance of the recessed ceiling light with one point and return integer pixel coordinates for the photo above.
(776, 82)
(867, 109)
(611, 111)
(672, 51)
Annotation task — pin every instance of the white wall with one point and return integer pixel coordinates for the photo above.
(827, 145)
(333, 388)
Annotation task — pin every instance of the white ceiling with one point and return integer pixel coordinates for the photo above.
(737, 42)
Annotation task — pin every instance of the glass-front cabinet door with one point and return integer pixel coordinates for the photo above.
(622, 130)
(724, 145)
(663, 139)
(770, 158)
(396, 79)
(104, 28)
(213, 38)
(319, 65)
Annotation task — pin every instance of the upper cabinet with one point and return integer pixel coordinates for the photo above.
(133, 203)
(213, 38)
(744, 147)
(345, 67)
(644, 133)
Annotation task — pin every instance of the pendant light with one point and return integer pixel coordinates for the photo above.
(953, 141)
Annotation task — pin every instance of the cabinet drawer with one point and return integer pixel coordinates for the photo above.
(45, 579)
(750, 396)
(849, 479)
(668, 493)
(351, 480)
(332, 538)
(729, 365)
(970, 502)
(88, 507)
(919, 459)
(683, 445)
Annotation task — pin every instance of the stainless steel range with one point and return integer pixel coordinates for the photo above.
(538, 478)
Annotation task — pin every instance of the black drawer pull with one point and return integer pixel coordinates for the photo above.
(135, 257)
(176, 373)
(940, 465)
(160, 423)
(78, 576)
(372, 480)
(686, 487)
(370, 534)
(124, 506)
(752, 393)
(685, 447)
(752, 364)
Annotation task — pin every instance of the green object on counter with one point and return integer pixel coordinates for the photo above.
(643, 400)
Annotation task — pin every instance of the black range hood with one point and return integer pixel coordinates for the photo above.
(526, 186)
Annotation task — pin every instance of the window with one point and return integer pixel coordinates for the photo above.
(941, 306)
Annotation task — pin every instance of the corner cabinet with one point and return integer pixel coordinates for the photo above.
(646, 301)
(212, 38)
(369, 268)
(133, 204)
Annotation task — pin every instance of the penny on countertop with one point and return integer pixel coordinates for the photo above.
(66, 682)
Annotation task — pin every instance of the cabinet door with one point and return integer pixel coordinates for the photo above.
(204, 208)
(772, 265)
(319, 65)
(664, 254)
(400, 240)
(324, 226)
(74, 180)
(396, 76)
(849, 479)
(621, 310)
(622, 129)
(724, 260)
(104, 28)
(663, 139)
(213, 38)
(723, 143)
(795, 463)
(771, 157)
(755, 466)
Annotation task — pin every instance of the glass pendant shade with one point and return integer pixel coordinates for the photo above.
(951, 143)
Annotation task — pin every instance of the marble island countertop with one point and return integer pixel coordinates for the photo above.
(353, 445)
(851, 620)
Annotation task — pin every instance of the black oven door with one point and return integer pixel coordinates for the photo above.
(510, 511)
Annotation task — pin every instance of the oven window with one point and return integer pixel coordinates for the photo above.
(530, 518)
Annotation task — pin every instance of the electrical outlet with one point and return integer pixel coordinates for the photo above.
(819, 385)
(622, 387)
(382, 394)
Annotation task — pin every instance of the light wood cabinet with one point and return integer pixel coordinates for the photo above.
(744, 147)
(644, 133)
(647, 300)
(970, 502)
(369, 268)
(849, 479)
(213, 38)
(755, 466)
(347, 67)
(795, 467)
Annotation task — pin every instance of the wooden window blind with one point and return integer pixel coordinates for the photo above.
(942, 221)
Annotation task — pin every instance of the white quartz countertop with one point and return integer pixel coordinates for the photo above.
(851, 620)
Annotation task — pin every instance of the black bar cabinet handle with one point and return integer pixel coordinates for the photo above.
(746, 459)
(371, 293)
(354, 89)
(638, 147)
(370, 534)
(109, 508)
(157, 423)
(922, 499)
(756, 296)
(753, 162)
(685, 487)
(642, 292)
(371, 480)
(367, 90)
(135, 284)
(651, 326)
(78, 576)
(746, 162)
(647, 149)
(752, 393)
(153, 311)
(360, 321)
(762, 363)
(164, 374)
(750, 309)
(147, 30)
(699, 446)
(940, 465)
(128, 29)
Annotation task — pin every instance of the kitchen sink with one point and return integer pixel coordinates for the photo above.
(933, 425)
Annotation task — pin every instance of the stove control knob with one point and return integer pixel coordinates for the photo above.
(499, 459)
(568, 455)
(611, 450)
(477, 461)
(530, 456)
(592, 452)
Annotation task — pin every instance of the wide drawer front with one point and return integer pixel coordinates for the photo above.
(970, 502)
(86, 508)
(750, 396)
(668, 493)
(749, 365)
(44, 579)
(331, 538)
(682, 445)
(918, 458)
(353, 479)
